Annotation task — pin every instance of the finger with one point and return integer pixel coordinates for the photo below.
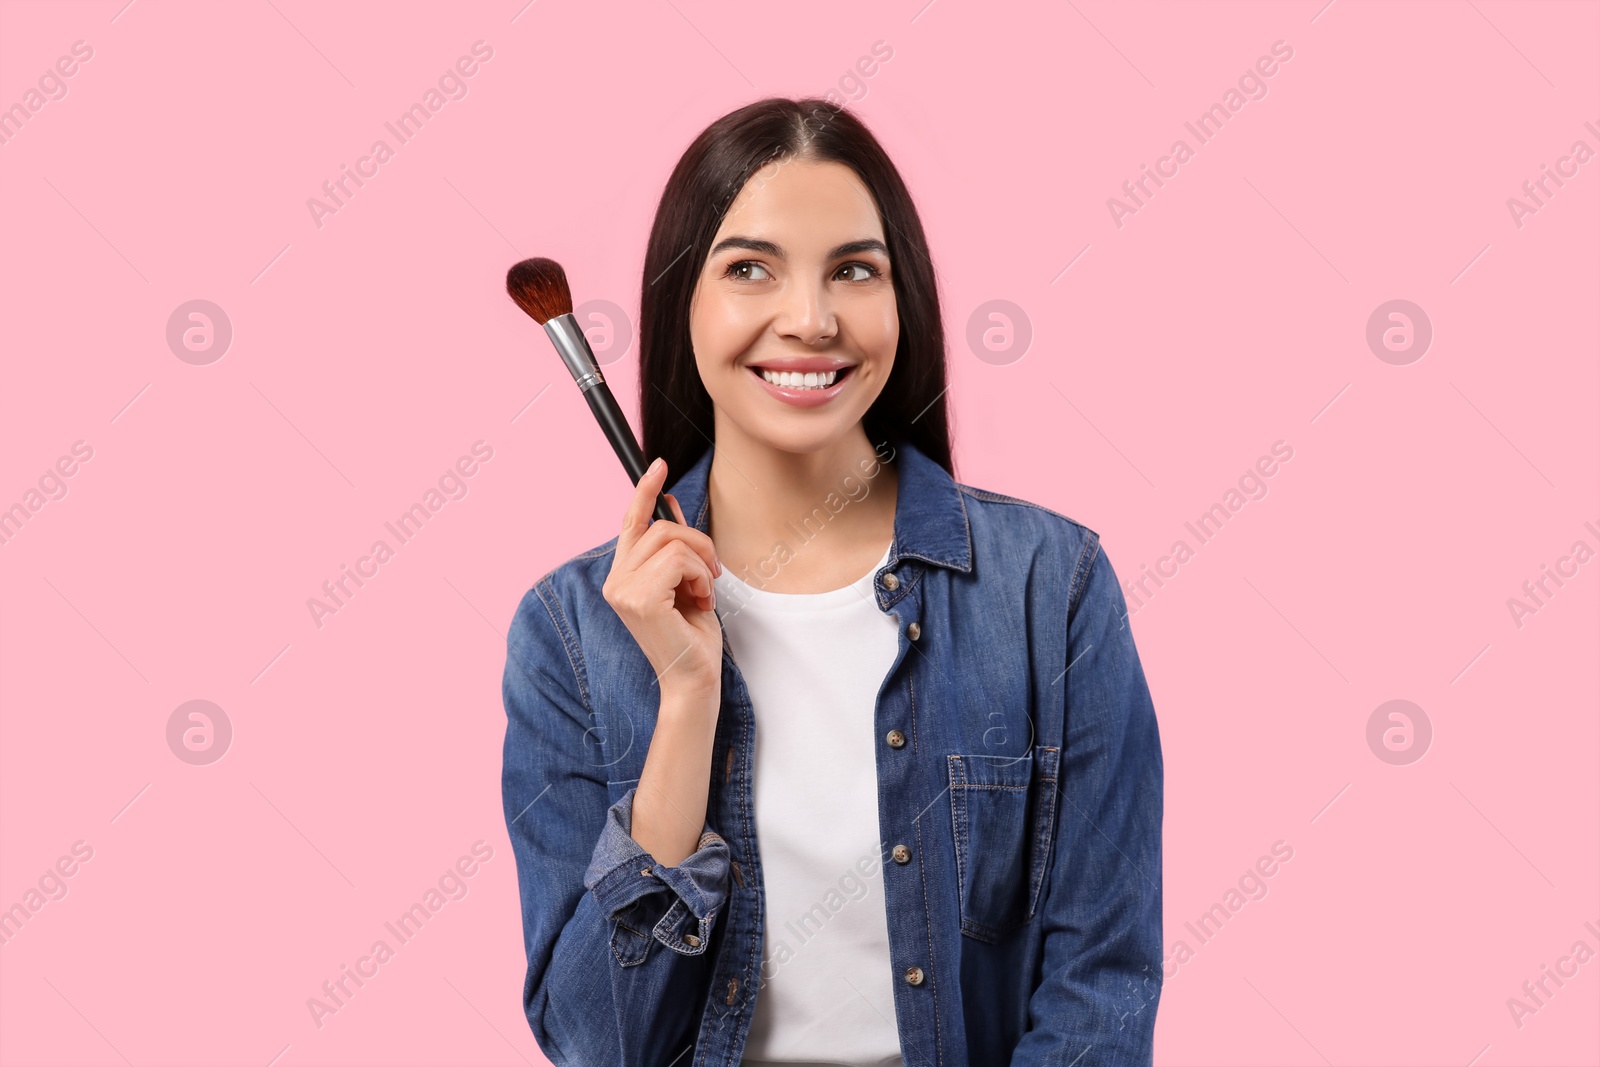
(636, 520)
(674, 567)
(661, 534)
(714, 559)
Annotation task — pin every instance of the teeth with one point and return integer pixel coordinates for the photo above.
(794, 380)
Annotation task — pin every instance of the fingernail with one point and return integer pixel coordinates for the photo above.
(655, 466)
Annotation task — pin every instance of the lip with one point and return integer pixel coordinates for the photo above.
(803, 398)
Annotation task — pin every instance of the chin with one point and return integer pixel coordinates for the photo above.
(802, 434)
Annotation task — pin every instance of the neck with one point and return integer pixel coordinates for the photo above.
(823, 506)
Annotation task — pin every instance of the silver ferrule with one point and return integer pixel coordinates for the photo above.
(574, 350)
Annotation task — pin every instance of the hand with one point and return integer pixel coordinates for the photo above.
(660, 586)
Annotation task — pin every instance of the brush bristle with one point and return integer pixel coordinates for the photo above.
(539, 286)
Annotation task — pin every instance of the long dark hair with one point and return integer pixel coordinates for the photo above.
(674, 406)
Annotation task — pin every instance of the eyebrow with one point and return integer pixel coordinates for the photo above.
(849, 248)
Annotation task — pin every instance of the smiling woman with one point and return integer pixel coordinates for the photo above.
(930, 673)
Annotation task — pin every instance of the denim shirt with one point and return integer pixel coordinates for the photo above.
(1019, 803)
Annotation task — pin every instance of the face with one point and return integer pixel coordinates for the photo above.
(797, 287)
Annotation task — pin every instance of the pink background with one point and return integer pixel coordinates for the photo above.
(369, 353)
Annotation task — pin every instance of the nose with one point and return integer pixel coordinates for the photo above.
(806, 313)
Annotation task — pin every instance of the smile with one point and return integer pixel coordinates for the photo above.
(803, 390)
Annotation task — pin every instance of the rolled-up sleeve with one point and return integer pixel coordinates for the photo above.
(596, 908)
(678, 905)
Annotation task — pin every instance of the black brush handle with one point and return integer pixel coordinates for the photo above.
(620, 434)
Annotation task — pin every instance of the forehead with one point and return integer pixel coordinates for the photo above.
(803, 205)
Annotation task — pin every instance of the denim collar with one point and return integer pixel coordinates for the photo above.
(930, 517)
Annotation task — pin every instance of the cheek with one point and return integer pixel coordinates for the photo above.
(875, 326)
(721, 328)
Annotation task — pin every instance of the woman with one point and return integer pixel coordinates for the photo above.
(853, 763)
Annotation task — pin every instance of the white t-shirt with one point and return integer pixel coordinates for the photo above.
(814, 663)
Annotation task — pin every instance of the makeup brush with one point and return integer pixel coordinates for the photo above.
(539, 287)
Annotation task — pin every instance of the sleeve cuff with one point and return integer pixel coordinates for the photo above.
(631, 888)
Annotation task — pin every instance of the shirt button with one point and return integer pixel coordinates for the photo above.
(895, 738)
(890, 582)
(914, 975)
(902, 854)
(692, 939)
(913, 631)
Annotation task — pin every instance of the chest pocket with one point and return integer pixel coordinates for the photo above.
(1003, 811)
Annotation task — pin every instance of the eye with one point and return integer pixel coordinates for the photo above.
(735, 271)
(871, 272)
